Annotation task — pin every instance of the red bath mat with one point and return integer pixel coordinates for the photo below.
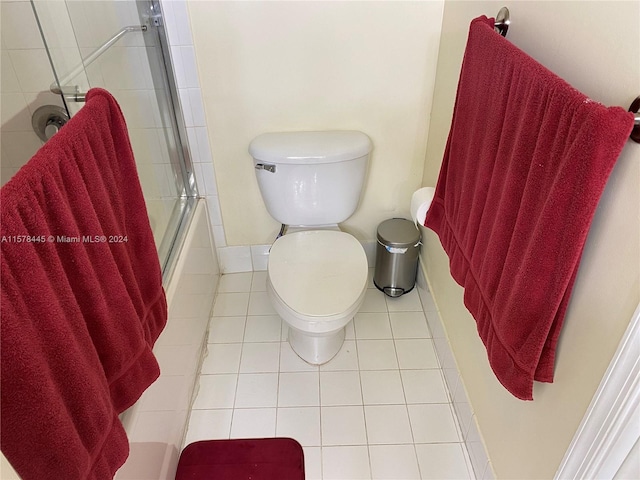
(254, 459)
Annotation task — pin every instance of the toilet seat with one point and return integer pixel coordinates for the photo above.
(319, 277)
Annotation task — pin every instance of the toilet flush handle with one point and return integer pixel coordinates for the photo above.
(266, 166)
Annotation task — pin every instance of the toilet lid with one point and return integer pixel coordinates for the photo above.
(318, 273)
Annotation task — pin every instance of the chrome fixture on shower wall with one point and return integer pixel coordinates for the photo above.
(47, 120)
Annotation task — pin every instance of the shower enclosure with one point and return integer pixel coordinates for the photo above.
(122, 46)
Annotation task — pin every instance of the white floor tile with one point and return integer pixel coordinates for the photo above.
(231, 304)
(312, 463)
(382, 387)
(378, 409)
(346, 359)
(340, 388)
(226, 329)
(409, 325)
(442, 461)
(260, 357)
(392, 462)
(253, 423)
(216, 391)
(259, 282)
(345, 463)
(350, 331)
(416, 354)
(208, 425)
(343, 426)
(409, 302)
(222, 358)
(371, 326)
(299, 389)
(263, 328)
(291, 362)
(387, 424)
(235, 282)
(376, 355)
(299, 423)
(257, 390)
(424, 386)
(259, 304)
(373, 301)
(433, 423)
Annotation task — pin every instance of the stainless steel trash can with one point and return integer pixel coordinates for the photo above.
(396, 256)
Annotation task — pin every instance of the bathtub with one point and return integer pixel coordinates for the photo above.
(156, 424)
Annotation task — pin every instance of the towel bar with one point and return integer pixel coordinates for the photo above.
(72, 92)
(635, 108)
(501, 25)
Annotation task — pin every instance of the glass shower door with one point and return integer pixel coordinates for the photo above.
(121, 46)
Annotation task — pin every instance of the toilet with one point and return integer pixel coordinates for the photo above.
(316, 274)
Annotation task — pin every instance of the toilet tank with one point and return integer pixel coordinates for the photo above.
(311, 178)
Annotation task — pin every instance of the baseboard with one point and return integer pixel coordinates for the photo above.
(472, 437)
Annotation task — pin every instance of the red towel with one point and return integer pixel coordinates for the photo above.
(82, 300)
(526, 161)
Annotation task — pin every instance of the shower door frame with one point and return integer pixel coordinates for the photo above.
(151, 18)
(187, 198)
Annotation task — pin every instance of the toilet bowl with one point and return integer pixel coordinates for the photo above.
(317, 275)
(317, 280)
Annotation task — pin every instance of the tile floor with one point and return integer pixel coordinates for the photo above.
(378, 410)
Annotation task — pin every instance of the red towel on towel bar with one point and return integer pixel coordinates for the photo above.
(526, 161)
(82, 300)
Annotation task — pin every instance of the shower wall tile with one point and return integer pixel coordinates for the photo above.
(179, 29)
(133, 61)
(140, 108)
(18, 147)
(218, 236)
(8, 79)
(14, 114)
(176, 19)
(19, 28)
(184, 61)
(204, 149)
(32, 69)
(215, 216)
(209, 179)
(197, 107)
(193, 111)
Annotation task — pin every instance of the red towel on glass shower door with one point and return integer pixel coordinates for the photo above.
(82, 300)
(526, 161)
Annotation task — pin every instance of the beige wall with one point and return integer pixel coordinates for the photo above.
(284, 66)
(583, 43)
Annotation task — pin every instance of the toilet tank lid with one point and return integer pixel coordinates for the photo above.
(310, 147)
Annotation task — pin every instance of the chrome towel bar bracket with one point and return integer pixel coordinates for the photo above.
(635, 108)
(501, 25)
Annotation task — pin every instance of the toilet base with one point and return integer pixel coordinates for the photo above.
(316, 349)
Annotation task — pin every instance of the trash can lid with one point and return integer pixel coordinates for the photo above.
(398, 232)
